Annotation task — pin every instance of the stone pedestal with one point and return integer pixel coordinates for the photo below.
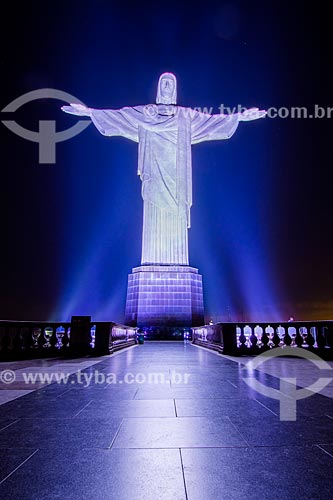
(164, 295)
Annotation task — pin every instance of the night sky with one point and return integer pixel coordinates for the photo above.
(261, 231)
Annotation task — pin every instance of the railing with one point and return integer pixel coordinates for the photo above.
(121, 337)
(33, 339)
(253, 338)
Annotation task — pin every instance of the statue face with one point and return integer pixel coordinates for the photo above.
(167, 87)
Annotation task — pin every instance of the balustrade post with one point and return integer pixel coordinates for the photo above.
(298, 339)
(253, 339)
(102, 338)
(287, 338)
(80, 338)
(265, 338)
(228, 338)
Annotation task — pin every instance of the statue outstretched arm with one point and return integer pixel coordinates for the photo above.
(77, 109)
(251, 114)
(206, 127)
(122, 122)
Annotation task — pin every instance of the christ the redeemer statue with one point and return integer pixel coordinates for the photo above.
(165, 133)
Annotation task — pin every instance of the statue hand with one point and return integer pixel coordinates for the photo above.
(76, 109)
(251, 114)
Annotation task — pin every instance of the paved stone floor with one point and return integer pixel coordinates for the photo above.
(198, 433)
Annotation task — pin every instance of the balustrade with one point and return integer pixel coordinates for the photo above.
(253, 338)
(26, 340)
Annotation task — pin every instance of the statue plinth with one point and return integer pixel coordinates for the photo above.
(164, 295)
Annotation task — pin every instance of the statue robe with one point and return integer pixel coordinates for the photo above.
(165, 169)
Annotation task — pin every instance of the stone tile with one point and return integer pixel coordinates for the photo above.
(177, 432)
(41, 408)
(98, 475)
(10, 395)
(129, 408)
(303, 431)
(11, 459)
(328, 449)
(84, 395)
(154, 392)
(60, 433)
(204, 391)
(6, 422)
(227, 407)
(315, 406)
(257, 473)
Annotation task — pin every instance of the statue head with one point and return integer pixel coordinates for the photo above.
(167, 89)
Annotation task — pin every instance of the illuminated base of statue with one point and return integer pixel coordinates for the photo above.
(164, 295)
